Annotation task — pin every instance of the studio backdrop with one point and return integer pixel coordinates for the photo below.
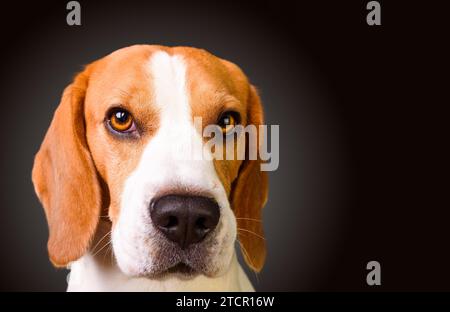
(309, 63)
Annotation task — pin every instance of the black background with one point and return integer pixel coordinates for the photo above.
(382, 91)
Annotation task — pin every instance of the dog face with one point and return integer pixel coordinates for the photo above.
(120, 141)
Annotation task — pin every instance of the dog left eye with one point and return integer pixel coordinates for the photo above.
(228, 121)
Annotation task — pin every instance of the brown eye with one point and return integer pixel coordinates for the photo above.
(120, 120)
(228, 121)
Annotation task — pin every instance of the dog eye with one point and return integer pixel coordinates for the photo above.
(120, 120)
(228, 121)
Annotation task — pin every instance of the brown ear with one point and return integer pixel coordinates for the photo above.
(65, 178)
(249, 195)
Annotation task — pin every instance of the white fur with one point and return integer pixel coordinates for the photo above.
(160, 169)
(87, 274)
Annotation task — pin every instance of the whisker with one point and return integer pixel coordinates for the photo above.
(249, 259)
(106, 252)
(245, 252)
(101, 239)
(110, 252)
(108, 243)
(250, 219)
(251, 232)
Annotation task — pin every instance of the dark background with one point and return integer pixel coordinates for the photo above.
(361, 119)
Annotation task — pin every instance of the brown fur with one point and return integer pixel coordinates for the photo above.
(65, 178)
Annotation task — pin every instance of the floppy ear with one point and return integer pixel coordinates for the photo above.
(249, 195)
(65, 178)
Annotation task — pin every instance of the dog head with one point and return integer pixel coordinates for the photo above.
(119, 141)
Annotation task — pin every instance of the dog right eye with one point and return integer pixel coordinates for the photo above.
(121, 120)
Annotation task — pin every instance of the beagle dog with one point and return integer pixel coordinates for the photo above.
(125, 211)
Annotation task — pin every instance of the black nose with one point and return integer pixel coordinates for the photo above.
(185, 220)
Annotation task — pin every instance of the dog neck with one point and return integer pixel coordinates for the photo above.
(90, 274)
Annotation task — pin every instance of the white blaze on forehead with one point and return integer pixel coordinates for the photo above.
(171, 149)
(169, 83)
(176, 136)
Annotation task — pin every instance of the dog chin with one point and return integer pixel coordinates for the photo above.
(181, 271)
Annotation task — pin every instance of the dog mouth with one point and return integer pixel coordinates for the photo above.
(182, 268)
(167, 259)
(170, 260)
